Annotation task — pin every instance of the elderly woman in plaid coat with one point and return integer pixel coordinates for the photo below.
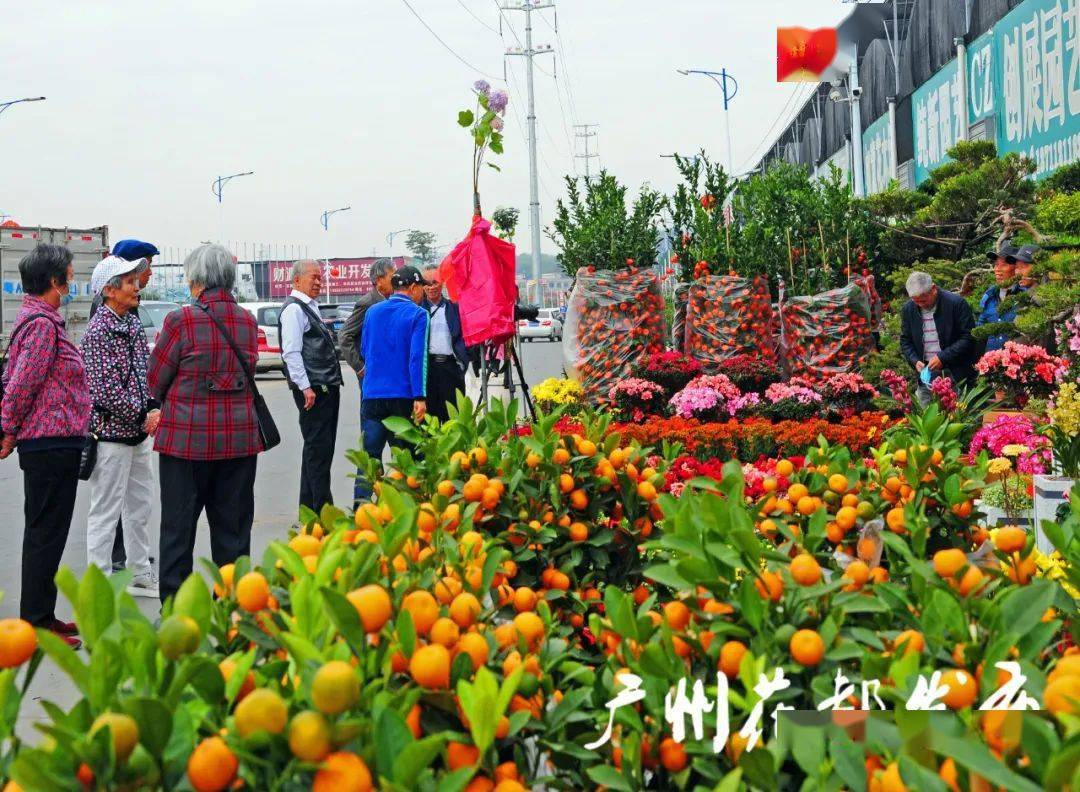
(208, 435)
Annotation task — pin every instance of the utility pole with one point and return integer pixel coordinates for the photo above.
(584, 135)
(530, 52)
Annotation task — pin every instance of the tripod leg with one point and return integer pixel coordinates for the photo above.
(485, 373)
(524, 384)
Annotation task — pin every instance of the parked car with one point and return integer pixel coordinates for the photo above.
(547, 324)
(334, 315)
(266, 316)
(152, 315)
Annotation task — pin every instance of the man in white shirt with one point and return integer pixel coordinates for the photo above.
(447, 355)
(314, 375)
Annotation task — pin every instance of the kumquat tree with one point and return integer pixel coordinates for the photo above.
(531, 605)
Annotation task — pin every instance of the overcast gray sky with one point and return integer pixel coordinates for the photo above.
(354, 102)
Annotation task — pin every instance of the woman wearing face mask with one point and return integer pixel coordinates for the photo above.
(45, 415)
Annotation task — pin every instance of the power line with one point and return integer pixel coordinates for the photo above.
(447, 46)
(783, 113)
(471, 13)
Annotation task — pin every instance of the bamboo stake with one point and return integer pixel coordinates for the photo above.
(847, 246)
(790, 258)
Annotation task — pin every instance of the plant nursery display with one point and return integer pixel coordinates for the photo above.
(479, 626)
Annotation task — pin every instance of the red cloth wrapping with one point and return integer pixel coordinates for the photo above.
(479, 275)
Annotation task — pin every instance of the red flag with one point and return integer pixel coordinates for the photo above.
(808, 55)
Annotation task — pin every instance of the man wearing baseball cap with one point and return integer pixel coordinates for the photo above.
(393, 344)
(1025, 260)
(1004, 286)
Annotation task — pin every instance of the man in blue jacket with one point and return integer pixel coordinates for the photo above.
(1005, 286)
(448, 357)
(394, 345)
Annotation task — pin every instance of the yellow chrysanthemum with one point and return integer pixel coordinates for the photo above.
(1015, 449)
(999, 466)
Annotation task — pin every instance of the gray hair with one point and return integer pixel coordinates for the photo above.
(380, 268)
(144, 265)
(117, 281)
(300, 265)
(210, 266)
(918, 284)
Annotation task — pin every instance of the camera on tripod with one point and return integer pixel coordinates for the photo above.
(528, 313)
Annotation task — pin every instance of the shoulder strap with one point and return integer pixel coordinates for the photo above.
(28, 320)
(232, 345)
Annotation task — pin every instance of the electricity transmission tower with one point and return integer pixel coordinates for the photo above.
(585, 135)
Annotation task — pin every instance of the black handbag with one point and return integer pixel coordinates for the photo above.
(88, 457)
(268, 430)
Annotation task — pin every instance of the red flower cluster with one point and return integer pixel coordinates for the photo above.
(755, 437)
(564, 426)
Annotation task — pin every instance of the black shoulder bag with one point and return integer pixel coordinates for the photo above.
(268, 430)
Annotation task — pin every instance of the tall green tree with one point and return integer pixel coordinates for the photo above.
(422, 245)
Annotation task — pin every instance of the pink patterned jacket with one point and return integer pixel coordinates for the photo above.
(46, 400)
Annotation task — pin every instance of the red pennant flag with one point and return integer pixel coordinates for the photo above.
(807, 55)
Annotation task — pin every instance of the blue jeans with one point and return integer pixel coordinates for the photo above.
(376, 436)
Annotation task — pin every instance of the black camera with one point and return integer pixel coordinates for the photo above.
(529, 313)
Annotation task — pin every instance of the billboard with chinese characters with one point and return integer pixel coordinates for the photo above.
(1038, 55)
(341, 276)
(877, 156)
(1025, 72)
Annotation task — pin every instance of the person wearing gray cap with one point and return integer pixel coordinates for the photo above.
(1025, 260)
(1004, 286)
(123, 418)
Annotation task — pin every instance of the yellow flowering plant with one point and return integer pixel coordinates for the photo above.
(1064, 428)
(553, 393)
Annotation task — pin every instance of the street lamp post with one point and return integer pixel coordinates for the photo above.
(390, 239)
(721, 78)
(326, 227)
(220, 182)
(5, 105)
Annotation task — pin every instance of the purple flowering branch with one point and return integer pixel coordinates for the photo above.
(485, 124)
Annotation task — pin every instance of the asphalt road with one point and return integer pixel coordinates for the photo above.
(276, 491)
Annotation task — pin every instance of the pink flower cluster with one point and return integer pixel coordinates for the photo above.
(1009, 430)
(747, 401)
(717, 382)
(1022, 367)
(848, 386)
(779, 391)
(1068, 337)
(635, 388)
(943, 391)
(693, 402)
(672, 361)
(898, 388)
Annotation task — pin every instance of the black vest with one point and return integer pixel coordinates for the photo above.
(318, 352)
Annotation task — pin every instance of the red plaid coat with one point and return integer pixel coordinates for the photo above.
(206, 408)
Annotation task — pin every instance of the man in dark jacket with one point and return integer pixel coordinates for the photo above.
(381, 272)
(448, 357)
(314, 376)
(935, 334)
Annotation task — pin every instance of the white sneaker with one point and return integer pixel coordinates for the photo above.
(144, 585)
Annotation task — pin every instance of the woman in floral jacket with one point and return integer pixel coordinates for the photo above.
(123, 419)
(45, 412)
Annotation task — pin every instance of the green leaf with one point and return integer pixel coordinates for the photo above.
(465, 118)
(64, 656)
(406, 632)
(609, 777)
(975, 756)
(345, 619)
(416, 758)
(457, 780)
(155, 723)
(96, 605)
(392, 735)
(847, 759)
(665, 574)
(807, 746)
(496, 144)
(193, 599)
(493, 166)
(302, 650)
(916, 776)
(1022, 607)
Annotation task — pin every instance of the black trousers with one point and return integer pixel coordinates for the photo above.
(50, 479)
(226, 489)
(318, 426)
(444, 379)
